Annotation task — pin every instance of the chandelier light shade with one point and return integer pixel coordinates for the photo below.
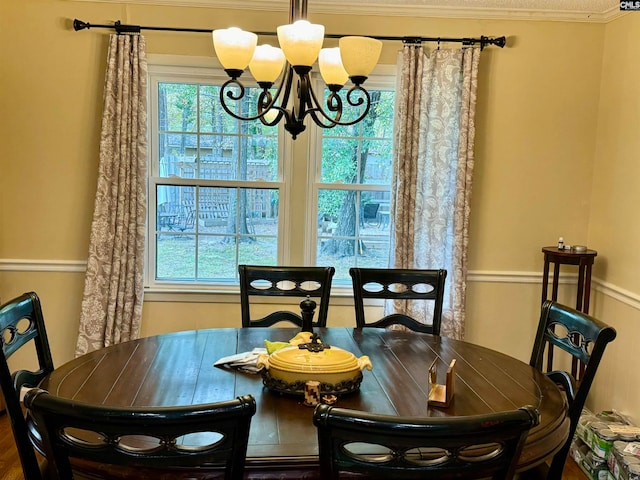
(266, 64)
(301, 42)
(300, 46)
(331, 67)
(359, 55)
(234, 47)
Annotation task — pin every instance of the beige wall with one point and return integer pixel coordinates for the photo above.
(613, 224)
(613, 221)
(554, 156)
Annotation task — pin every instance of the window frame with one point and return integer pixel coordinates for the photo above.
(384, 77)
(295, 224)
(201, 71)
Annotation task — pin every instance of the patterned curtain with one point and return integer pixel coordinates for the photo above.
(113, 291)
(433, 167)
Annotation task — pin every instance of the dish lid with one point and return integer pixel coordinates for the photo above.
(295, 359)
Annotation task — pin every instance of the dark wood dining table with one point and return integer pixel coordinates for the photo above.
(178, 369)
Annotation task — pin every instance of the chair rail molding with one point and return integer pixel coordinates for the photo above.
(187, 293)
(625, 296)
(29, 265)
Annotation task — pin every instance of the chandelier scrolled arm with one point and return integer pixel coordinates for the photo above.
(334, 104)
(356, 97)
(266, 100)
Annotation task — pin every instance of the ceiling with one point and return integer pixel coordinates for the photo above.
(552, 10)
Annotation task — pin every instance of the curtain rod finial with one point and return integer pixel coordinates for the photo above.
(497, 41)
(80, 25)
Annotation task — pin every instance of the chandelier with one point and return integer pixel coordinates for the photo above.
(300, 47)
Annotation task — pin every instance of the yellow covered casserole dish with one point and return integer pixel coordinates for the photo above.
(288, 369)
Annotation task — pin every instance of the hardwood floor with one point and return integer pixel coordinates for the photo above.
(572, 471)
(10, 464)
(10, 468)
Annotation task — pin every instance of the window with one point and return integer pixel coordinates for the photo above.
(353, 189)
(214, 183)
(224, 192)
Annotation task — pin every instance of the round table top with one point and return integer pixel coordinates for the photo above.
(177, 369)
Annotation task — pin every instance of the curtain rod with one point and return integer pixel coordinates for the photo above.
(124, 28)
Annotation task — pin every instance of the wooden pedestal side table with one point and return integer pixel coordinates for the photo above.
(584, 261)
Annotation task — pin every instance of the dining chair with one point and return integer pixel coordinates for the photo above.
(302, 282)
(155, 441)
(22, 324)
(399, 284)
(369, 214)
(580, 337)
(386, 446)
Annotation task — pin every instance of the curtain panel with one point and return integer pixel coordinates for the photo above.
(433, 168)
(113, 292)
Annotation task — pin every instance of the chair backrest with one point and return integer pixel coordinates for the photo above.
(213, 434)
(584, 338)
(399, 284)
(384, 446)
(314, 282)
(21, 322)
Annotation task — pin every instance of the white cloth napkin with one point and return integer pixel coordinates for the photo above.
(245, 361)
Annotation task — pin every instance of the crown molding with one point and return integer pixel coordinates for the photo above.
(394, 9)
